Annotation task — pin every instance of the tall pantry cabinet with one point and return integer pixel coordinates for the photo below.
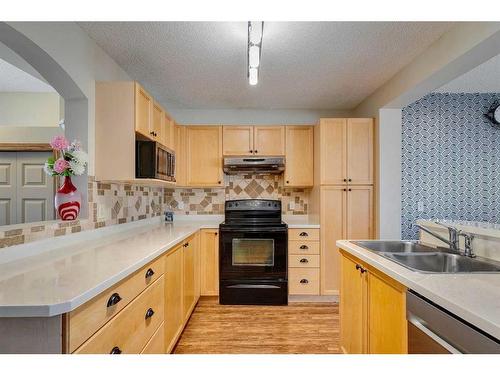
(343, 189)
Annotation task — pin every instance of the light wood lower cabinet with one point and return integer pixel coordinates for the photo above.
(174, 317)
(156, 345)
(372, 310)
(190, 274)
(131, 329)
(303, 261)
(209, 261)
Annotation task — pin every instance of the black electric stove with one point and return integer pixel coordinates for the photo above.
(253, 254)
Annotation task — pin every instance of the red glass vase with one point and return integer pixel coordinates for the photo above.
(68, 200)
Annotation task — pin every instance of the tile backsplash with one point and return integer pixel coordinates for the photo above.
(118, 203)
(450, 160)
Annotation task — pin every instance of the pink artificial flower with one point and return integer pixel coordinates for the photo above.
(60, 165)
(59, 143)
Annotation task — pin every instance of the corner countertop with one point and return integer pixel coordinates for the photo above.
(59, 274)
(473, 297)
(301, 221)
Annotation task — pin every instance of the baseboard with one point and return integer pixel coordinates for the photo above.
(310, 298)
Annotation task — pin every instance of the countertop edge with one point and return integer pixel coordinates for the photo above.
(397, 272)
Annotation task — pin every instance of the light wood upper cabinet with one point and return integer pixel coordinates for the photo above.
(346, 151)
(174, 304)
(180, 155)
(372, 310)
(360, 151)
(269, 140)
(359, 212)
(237, 140)
(299, 170)
(333, 218)
(204, 155)
(333, 151)
(209, 262)
(157, 129)
(143, 111)
(352, 307)
(168, 133)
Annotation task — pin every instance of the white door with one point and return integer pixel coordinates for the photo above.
(35, 190)
(26, 192)
(8, 182)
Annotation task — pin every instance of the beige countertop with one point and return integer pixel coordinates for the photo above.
(60, 274)
(301, 221)
(473, 297)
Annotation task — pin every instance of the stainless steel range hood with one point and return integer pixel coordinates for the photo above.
(254, 164)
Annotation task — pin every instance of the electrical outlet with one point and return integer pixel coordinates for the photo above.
(291, 206)
(420, 206)
(181, 205)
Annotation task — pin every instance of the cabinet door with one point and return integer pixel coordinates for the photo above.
(204, 155)
(333, 152)
(168, 133)
(333, 228)
(299, 156)
(157, 130)
(237, 140)
(269, 140)
(188, 277)
(209, 262)
(360, 151)
(387, 327)
(180, 155)
(143, 111)
(174, 317)
(352, 307)
(359, 212)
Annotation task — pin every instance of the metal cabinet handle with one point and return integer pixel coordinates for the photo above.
(115, 350)
(255, 151)
(349, 180)
(186, 244)
(303, 234)
(149, 273)
(350, 189)
(361, 269)
(151, 133)
(251, 151)
(344, 189)
(304, 281)
(304, 247)
(304, 260)
(114, 299)
(345, 179)
(288, 182)
(149, 313)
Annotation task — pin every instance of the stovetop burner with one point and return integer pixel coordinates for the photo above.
(253, 212)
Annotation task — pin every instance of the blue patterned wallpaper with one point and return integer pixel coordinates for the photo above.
(450, 160)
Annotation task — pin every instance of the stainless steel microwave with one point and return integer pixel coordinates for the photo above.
(152, 160)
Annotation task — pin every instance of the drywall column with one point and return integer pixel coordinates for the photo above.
(389, 188)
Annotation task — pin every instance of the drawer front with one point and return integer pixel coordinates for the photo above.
(306, 261)
(130, 330)
(157, 343)
(303, 247)
(303, 281)
(88, 318)
(303, 234)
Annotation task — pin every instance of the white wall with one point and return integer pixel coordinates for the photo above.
(33, 109)
(81, 58)
(389, 186)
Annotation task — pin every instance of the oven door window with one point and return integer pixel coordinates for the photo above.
(253, 252)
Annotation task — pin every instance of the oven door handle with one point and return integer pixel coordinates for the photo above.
(445, 344)
(253, 286)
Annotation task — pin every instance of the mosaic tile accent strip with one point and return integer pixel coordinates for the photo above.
(450, 160)
(117, 203)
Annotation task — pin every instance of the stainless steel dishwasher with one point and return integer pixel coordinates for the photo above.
(433, 330)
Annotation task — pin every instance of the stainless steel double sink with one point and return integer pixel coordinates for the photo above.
(426, 259)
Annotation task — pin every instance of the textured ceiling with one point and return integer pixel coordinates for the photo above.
(305, 65)
(484, 78)
(13, 79)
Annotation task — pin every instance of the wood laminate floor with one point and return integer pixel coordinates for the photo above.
(307, 328)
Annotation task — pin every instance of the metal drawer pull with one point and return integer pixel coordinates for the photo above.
(149, 313)
(114, 299)
(115, 350)
(304, 260)
(149, 273)
(304, 281)
(303, 234)
(304, 247)
(358, 267)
